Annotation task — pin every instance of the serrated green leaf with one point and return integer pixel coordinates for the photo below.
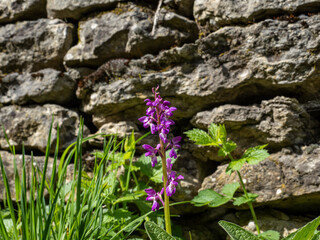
(130, 197)
(227, 147)
(235, 165)
(200, 137)
(155, 232)
(236, 232)
(218, 133)
(210, 198)
(270, 235)
(255, 155)
(229, 189)
(307, 231)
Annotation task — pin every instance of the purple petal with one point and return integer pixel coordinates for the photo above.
(150, 191)
(148, 148)
(155, 206)
(173, 153)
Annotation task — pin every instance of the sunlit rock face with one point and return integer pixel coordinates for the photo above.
(34, 45)
(251, 65)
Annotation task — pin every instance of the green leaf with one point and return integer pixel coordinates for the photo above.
(235, 165)
(270, 235)
(155, 232)
(307, 231)
(210, 197)
(229, 189)
(316, 236)
(200, 137)
(227, 147)
(241, 200)
(236, 232)
(255, 155)
(218, 133)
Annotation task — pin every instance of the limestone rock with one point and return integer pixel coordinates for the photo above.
(233, 64)
(30, 126)
(122, 129)
(75, 9)
(12, 10)
(286, 179)
(125, 33)
(34, 45)
(278, 122)
(7, 159)
(217, 13)
(272, 219)
(45, 86)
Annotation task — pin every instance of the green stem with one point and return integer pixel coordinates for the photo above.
(247, 197)
(166, 197)
(249, 203)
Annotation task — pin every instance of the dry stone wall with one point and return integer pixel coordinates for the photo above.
(251, 65)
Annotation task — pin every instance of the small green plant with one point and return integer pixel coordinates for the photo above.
(217, 136)
(83, 207)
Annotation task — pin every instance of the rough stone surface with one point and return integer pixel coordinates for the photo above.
(286, 179)
(44, 86)
(125, 32)
(233, 64)
(30, 126)
(34, 45)
(217, 13)
(13, 10)
(273, 219)
(122, 129)
(76, 9)
(7, 159)
(278, 122)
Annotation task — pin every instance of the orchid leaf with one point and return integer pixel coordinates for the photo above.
(236, 232)
(155, 232)
(270, 235)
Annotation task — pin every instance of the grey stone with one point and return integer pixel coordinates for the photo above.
(34, 45)
(121, 129)
(233, 64)
(44, 86)
(8, 162)
(30, 126)
(284, 180)
(125, 33)
(272, 219)
(13, 10)
(76, 9)
(217, 13)
(279, 122)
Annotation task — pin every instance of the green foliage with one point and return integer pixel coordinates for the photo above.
(200, 137)
(155, 232)
(83, 207)
(307, 232)
(214, 199)
(244, 199)
(236, 232)
(269, 235)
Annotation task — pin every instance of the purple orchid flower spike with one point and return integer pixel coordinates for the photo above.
(154, 196)
(158, 120)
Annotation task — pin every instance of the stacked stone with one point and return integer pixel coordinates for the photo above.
(251, 65)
